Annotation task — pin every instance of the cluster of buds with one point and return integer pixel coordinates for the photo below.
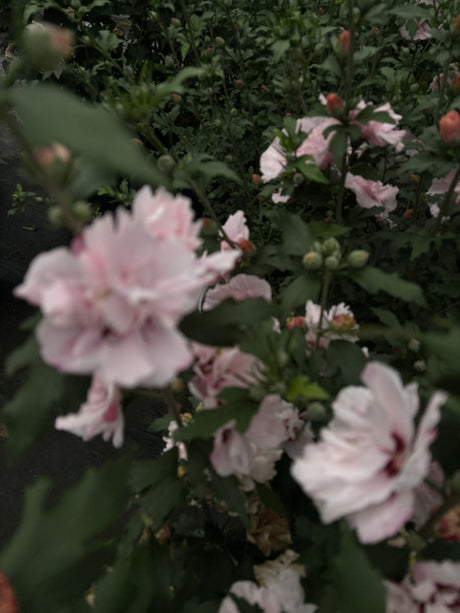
(328, 255)
(46, 46)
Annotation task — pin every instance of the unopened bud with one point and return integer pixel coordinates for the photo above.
(298, 178)
(82, 210)
(312, 260)
(246, 246)
(420, 365)
(264, 88)
(166, 163)
(56, 216)
(408, 213)
(316, 411)
(455, 26)
(46, 45)
(209, 226)
(342, 46)
(177, 387)
(220, 41)
(234, 112)
(414, 345)
(358, 258)
(449, 127)
(256, 179)
(295, 322)
(175, 22)
(331, 262)
(331, 246)
(239, 83)
(333, 103)
(176, 97)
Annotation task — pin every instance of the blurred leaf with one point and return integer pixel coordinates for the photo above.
(29, 413)
(310, 171)
(304, 287)
(297, 237)
(226, 324)
(279, 48)
(374, 280)
(348, 359)
(302, 386)
(358, 586)
(327, 230)
(49, 114)
(53, 558)
(387, 317)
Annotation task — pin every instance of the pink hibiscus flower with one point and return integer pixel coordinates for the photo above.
(370, 457)
(372, 193)
(112, 305)
(100, 414)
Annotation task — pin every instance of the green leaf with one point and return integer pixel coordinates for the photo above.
(302, 386)
(358, 586)
(297, 237)
(29, 412)
(338, 145)
(387, 317)
(185, 48)
(54, 556)
(159, 501)
(348, 359)
(374, 280)
(49, 114)
(227, 324)
(279, 48)
(310, 171)
(304, 287)
(370, 114)
(322, 229)
(421, 244)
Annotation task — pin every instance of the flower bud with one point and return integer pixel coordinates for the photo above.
(176, 97)
(246, 246)
(56, 217)
(316, 411)
(209, 226)
(333, 103)
(414, 345)
(449, 127)
(455, 26)
(82, 210)
(166, 163)
(408, 213)
(220, 41)
(234, 112)
(298, 178)
(331, 246)
(342, 46)
(256, 179)
(264, 88)
(46, 45)
(331, 262)
(295, 322)
(357, 258)
(8, 600)
(239, 83)
(420, 365)
(312, 260)
(175, 22)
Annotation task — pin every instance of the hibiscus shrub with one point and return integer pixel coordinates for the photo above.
(281, 269)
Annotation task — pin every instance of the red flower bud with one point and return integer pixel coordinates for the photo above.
(343, 43)
(333, 102)
(174, 21)
(255, 179)
(321, 11)
(408, 213)
(246, 246)
(295, 322)
(288, 114)
(8, 600)
(414, 178)
(176, 97)
(449, 127)
(239, 83)
(264, 88)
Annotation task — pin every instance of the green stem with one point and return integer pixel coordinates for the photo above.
(341, 192)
